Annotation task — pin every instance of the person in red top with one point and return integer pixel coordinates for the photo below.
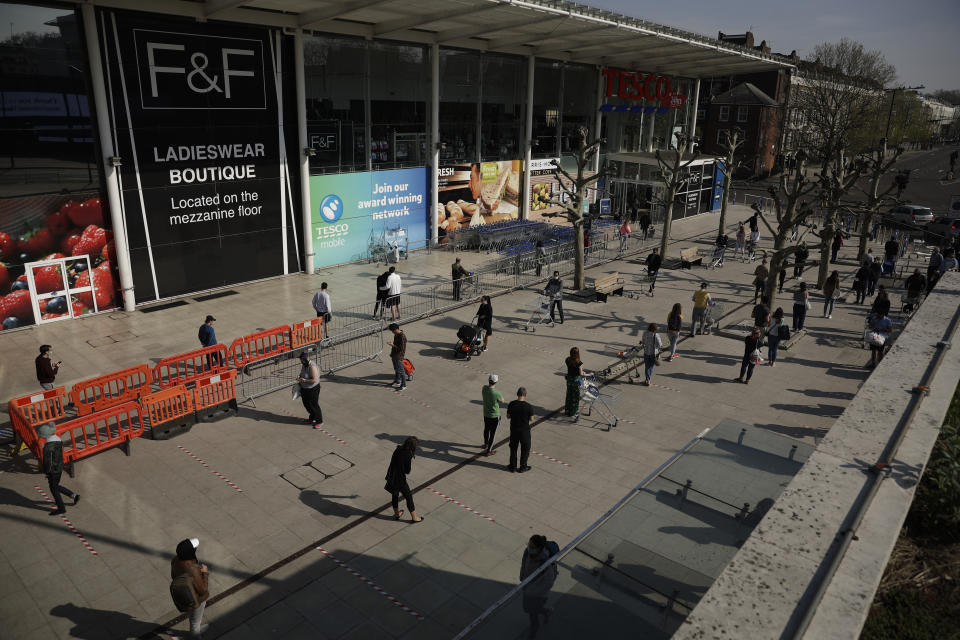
(47, 369)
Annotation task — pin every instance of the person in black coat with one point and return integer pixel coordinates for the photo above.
(485, 319)
(750, 344)
(396, 478)
(53, 469)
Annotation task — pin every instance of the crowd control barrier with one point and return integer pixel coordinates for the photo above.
(28, 412)
(84, 436)
(306, 332)
(260, 346)
(190, 366)
(215, 397)
(111, 389)
(170, 412)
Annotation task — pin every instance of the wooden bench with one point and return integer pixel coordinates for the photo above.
(610, 284)
(689, 256)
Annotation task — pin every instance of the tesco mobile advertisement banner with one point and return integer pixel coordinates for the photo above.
(198, 112)
(354, 211)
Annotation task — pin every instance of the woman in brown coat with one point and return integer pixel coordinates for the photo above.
(189, 586)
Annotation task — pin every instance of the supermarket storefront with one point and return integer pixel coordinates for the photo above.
(154, 155)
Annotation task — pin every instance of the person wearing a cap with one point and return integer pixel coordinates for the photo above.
(491, 412)
(208, 337)
(309, 380)
(190, 584)
(53, 468)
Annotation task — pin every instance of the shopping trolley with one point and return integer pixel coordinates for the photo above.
(539, 313)
(628, 359)
(711, 317)
(603, 398)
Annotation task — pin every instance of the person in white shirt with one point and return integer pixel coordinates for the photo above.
(392, 287)
(321, 304)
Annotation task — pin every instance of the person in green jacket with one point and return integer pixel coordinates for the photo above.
(491, 412)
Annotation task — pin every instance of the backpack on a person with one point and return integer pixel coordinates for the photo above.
(183, 592)
(783, 332)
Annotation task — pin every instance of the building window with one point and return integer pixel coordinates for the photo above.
(742, 114)
(701, 114)
(721, 136)
(724, 114)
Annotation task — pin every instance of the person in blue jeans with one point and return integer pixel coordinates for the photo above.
(882, 326)
(651, 348)
(773, 335)
(750, 344)
(831, 291)
(800, 301)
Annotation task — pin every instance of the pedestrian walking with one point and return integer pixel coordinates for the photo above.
(751, 355)
(575, 374)
(392, 286)
(381, 302)
(831, 291)
(541, 257)
(208, 338)
(47, 369)
(777, 332)
(491, 412)
(891, 251)
(398, 351)
(800, 260)
(860, 280)
(520, 415)
(835, 246)
(624, 235)
(741, 240)
(753, 243)
(654, 260)
(538, 552)
(700, 301)
(867, 259)
(53, 469)
(190, 584)
(401, 463)
(801, 303)
(782, 276)
(761, 316)
(933, 267)
(915, 285)
(645, 224)
(876, 269)
(554, 290)
(309, 380)
(674, 325)
(880, 328)
(651, 351)
(485, 319)
(321, 304)
(760, 275)
(459, 274)
(881, 304)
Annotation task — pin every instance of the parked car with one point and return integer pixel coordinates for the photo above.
(944, 226)
(911, 214)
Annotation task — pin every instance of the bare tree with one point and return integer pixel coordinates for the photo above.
(876, 166)
(672, 175)
(732, 139)
(576, 191)
(792, 188)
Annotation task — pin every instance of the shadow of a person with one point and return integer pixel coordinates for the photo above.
(95, 624)
(13, 498)
(323, 504)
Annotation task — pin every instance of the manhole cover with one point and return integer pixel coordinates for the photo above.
(316, 471)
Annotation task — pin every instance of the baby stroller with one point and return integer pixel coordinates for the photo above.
(469, 341)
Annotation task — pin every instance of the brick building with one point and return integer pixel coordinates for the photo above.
(751, 110)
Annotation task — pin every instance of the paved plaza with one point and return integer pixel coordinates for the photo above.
(294, 522)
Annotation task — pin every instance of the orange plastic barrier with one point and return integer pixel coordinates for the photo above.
(26, 412)
(96, 432)
(260, 345)
(216, 396)
(306, 332)
(111, 389)
(170, 411)
(189, 366)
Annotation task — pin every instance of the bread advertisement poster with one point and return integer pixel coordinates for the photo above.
(476, 194)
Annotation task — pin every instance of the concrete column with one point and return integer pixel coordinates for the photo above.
(367, 128)
(304, 158)
(653, 118)
(110, 172)
(598, 121)
(434, 139)
(692, 126)
(528, 139)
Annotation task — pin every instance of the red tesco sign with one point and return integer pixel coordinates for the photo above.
(639, 86)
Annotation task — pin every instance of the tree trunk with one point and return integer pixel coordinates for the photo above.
(864, 233)
(826, 242)
(776, 262)
(667, 220)
(723, 206)
(578, 281)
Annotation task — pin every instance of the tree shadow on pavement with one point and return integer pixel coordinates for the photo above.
(95, 624)
(820, 409)
(694, 377)
(817, 393)
(795, 432)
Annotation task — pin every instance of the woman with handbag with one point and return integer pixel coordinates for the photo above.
(778, 331)
(801, 302)
(831, 291)
(651, 351)
(751, 355)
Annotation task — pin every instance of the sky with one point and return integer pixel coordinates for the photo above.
(921, 38)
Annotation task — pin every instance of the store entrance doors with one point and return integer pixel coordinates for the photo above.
(61, 289)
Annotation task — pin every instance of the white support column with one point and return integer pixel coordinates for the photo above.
(528, 139)
(110, 172)
(653, 118)
(692, 126)
(304, 158)
(434, 140)
(598, 121)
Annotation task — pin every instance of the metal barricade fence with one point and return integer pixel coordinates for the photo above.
(266, 376)
(350, 349)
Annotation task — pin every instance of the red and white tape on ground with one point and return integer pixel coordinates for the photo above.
(414, 400)
(216, 473)
(543, 455)
(320, 429)
(660, 386)
(370, 583)
(460, 504)
(69, 524)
